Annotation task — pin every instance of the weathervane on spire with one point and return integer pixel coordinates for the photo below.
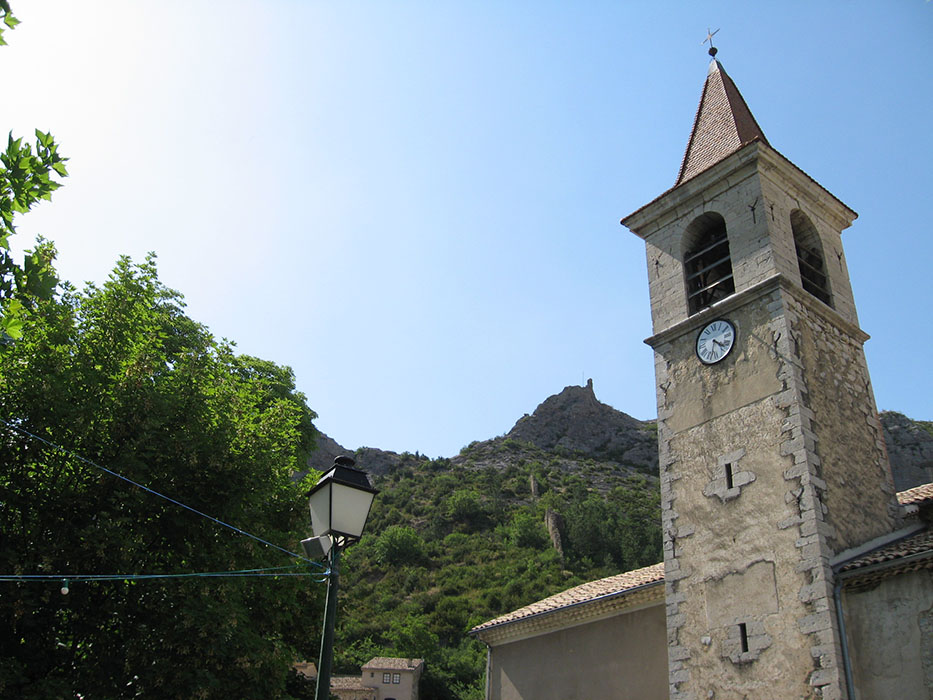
(709, 38)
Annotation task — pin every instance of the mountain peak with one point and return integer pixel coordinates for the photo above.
(576, 421)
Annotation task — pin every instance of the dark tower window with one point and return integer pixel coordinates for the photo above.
(707, 263)
(810, 257)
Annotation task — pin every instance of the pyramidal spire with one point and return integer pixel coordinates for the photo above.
(723, 124)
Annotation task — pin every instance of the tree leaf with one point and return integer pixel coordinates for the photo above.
(11, 322)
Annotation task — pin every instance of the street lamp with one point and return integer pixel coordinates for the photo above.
(340, 504)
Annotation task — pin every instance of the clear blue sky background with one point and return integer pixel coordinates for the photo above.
(416, 205)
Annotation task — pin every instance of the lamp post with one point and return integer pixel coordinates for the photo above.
(340, 503)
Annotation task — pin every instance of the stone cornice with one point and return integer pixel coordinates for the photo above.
(755, 158)
(793, 179)
(746, 296)
(701, 187)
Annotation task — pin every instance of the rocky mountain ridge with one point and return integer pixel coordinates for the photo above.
(575, 421)
(910, 449)
(574, 425)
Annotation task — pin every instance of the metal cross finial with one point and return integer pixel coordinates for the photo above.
(709, 38)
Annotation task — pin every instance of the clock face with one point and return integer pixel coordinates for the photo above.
(715, 341)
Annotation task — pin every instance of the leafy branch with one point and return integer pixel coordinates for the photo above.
(8, 19)
(27, 176)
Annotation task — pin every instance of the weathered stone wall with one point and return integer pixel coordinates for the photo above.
(844, 433)
(621, 657)
(748, 603)
(890, 631)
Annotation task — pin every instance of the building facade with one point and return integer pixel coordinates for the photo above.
(605, 638)
(774, 473)
(772, 458)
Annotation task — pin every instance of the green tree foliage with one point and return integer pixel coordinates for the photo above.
(7, 20)
(120, 375)
(399, 544)
(27, 176)
(465, 508)
(527, 530)
(620, 531)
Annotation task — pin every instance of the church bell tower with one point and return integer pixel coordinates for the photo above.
(772, 457)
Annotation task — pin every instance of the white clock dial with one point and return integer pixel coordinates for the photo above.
(715, 341)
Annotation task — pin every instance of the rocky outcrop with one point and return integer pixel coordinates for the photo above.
(379, 462)
(554, 522)
(325, 450)
(373, 461)
(576, 422)
(910, 449)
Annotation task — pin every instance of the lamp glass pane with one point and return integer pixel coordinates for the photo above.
(351, 507)
(320, 510)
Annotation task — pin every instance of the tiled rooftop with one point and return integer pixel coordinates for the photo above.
(919, 495)
(917, 544)
(584, 593)
(723, 124)
(347, 683)
(393, 664)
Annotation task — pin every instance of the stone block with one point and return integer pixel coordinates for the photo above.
(790, 522)
(815, 622)
(823, 676)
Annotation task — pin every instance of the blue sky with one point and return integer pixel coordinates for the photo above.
(416, 205)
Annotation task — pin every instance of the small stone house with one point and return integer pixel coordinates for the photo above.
(393, 678)
(382, 678)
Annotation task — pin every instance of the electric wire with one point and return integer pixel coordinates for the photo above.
(272, 571)
(71, 453)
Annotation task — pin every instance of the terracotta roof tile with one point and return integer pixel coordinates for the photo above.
(347, 683)
(584, 593)
(723, 124)
(919, 495)
(914, 545)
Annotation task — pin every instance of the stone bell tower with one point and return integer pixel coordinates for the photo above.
(771, 453)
